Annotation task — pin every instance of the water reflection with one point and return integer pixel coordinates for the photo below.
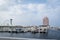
(29, 35)
(43, 35)
(50, 35)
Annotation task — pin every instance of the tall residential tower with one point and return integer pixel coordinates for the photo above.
(45, 21)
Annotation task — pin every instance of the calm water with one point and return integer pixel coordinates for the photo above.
(50, 35)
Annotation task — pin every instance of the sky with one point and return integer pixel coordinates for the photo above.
(29, 12)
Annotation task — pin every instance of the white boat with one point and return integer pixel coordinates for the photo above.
(43, 28)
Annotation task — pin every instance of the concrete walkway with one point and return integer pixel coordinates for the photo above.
(14, 38)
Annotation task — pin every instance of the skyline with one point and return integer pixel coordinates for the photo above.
(30, 12)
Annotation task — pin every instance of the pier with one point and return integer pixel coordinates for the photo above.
(22, 29)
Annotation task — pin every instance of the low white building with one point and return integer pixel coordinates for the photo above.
(33, 28)
(43, 28)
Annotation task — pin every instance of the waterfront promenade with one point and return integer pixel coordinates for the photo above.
(14, 38)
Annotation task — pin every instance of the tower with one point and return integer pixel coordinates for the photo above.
(11, 21)
(45, 21)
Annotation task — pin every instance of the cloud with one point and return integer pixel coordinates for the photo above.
(30, 13)
(2, 2)
(23, 14)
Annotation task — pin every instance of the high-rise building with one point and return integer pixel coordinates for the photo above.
(45, 21)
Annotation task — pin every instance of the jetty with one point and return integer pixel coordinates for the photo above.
(22, 29)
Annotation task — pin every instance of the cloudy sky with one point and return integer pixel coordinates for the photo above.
(29, 12)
